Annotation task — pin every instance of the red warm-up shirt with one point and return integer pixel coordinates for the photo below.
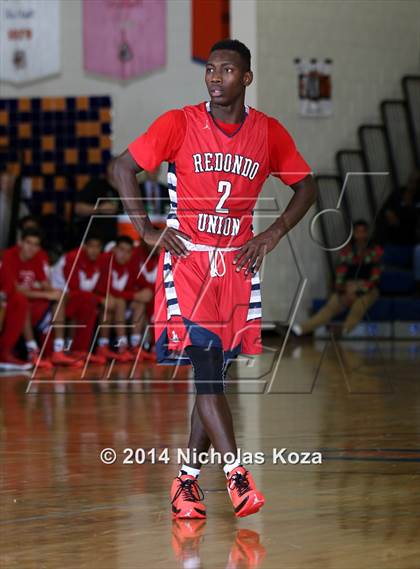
(145, 268)
(78, 270)
(29, 274)
(115, 279)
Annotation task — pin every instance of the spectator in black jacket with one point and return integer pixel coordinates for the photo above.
(399, 222)
(155, 194)
(109, 206)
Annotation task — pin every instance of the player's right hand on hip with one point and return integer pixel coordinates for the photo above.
(169, 239)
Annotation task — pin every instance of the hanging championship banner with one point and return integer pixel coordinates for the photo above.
(124, 38)
(314, 87)
(29, 39)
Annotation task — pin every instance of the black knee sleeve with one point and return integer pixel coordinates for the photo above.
(209, 369)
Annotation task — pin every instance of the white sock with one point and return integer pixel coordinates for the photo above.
(121, 342)
(103, 342)
(135, 340)
(229, 467)
(189, 470)
(297, 329)
(31, 345)
(58, 344)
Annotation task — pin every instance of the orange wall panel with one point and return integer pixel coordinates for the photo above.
(210, 23)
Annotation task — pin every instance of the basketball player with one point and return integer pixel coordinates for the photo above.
(145, 262)
(78, 273)
(208, 303)
(26, 266)
(121, 300)
(14, 307)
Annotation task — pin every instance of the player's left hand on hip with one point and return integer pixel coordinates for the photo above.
(250, 256)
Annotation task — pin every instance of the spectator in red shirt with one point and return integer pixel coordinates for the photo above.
(77, 272)
(121, 300)
(26, 266)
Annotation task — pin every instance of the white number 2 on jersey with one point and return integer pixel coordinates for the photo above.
(224, 188)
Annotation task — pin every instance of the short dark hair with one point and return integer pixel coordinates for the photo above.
(32, 232)
(94, 237)
(124, 239)
(235, 45)
(361, 222)
(23, 220)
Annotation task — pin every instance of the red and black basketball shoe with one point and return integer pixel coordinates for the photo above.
(245, 497)
(186, 498)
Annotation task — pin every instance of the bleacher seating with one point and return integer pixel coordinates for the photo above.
(390, 317)
(388, 154)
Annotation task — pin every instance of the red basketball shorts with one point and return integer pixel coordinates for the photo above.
(203, 301)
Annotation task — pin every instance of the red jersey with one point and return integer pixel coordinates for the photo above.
(214, 176)
(117, 280)
(75, 268)
(29, 274)
(144, 268)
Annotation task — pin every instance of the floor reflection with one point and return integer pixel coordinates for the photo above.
(246, 552)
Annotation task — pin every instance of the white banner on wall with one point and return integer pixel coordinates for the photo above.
(314, 87)
(29, 39)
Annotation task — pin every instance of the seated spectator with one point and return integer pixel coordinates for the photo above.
(414, 187)
(10, 206)
(356, 283)
(399, 227)
(397, 224)
(121, 300)
(97, 189)
(77, 273)
(417, 268)
(6, 194)
(26, 265)
(154, 193)
(14, 307)
(56, 232)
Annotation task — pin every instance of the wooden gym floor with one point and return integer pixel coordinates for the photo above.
(356, 403)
